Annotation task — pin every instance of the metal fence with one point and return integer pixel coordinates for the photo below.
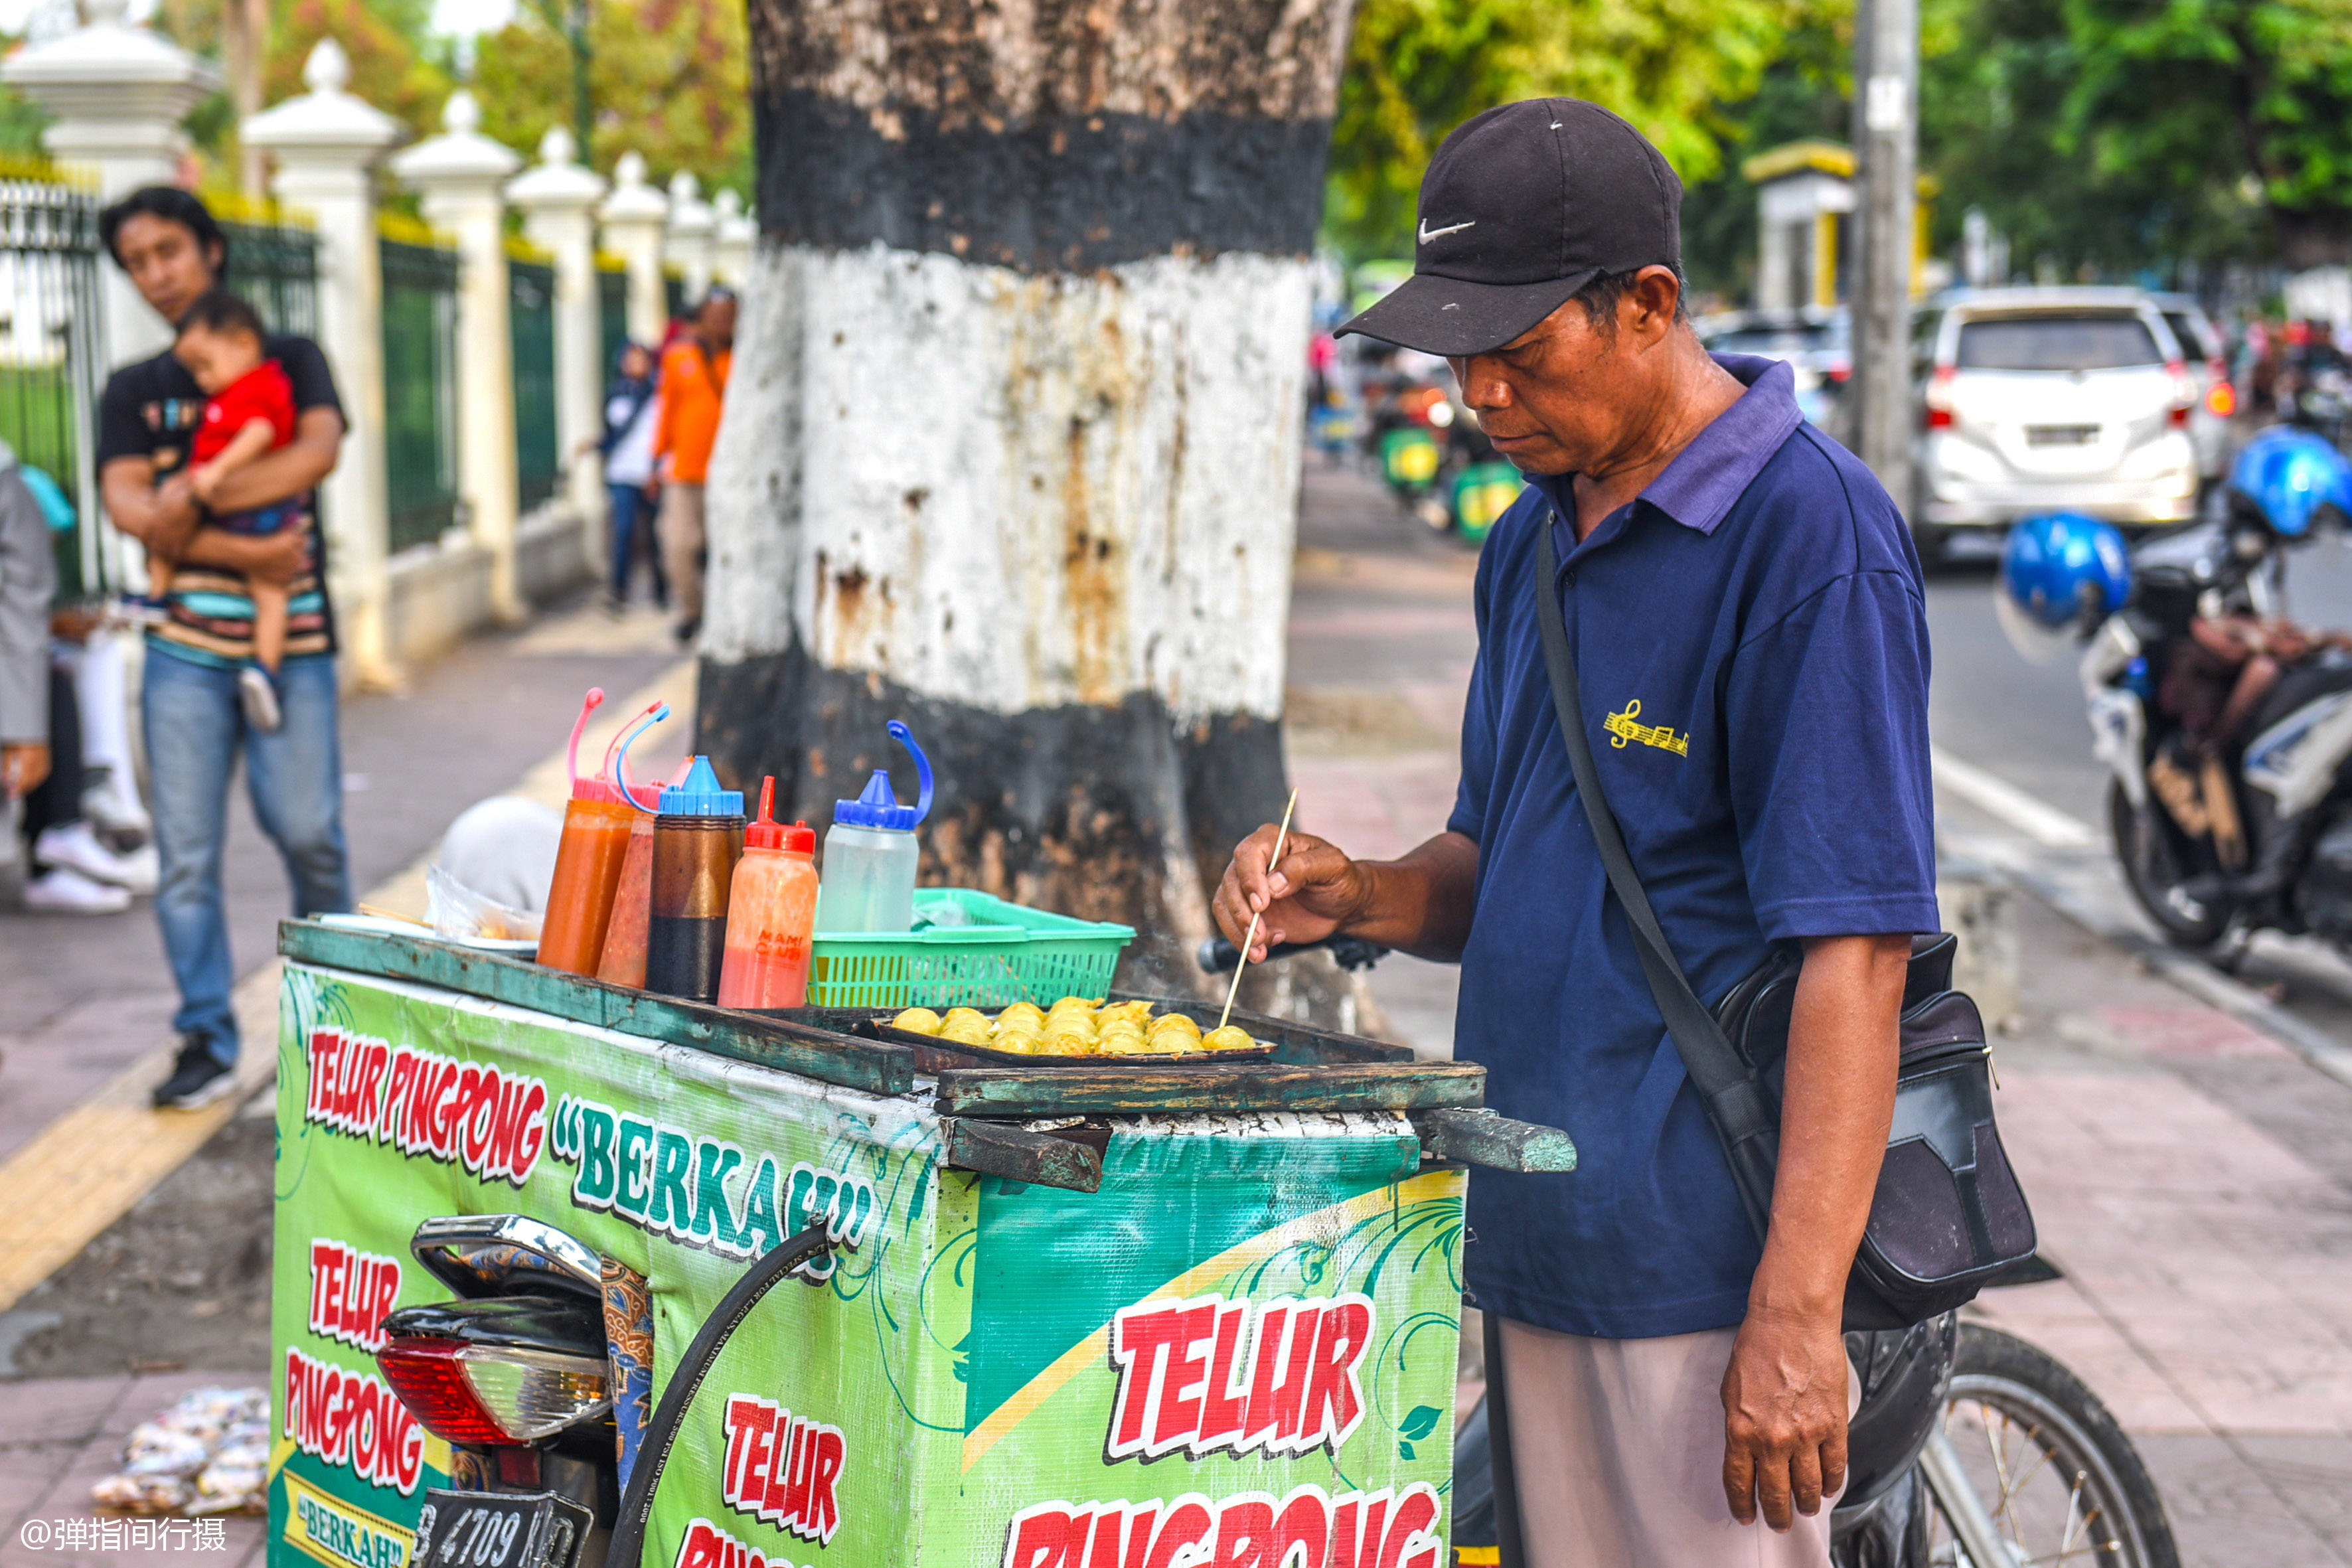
(420, 390)
(276, 266)
(52, 362)
(530, 322)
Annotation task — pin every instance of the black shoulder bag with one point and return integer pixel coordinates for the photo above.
(1948, 1216)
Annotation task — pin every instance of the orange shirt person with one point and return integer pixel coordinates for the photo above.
(693, 392)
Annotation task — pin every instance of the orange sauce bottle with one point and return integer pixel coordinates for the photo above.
(587, 864)
(623, 960)
(770, 913)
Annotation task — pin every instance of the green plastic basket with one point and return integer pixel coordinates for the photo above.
(1006, 954)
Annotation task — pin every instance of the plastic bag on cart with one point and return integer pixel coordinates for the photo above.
(456, 910)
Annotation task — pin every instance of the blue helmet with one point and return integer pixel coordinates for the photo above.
(2287, 477)
(2063, 569)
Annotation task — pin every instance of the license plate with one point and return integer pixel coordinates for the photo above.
(500, 1529)
(2061, 435)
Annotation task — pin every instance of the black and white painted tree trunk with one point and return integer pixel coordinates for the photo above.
(1012, 444)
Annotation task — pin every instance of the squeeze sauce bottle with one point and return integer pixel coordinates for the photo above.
(870, 853)
(587, 863)
(697, 838)
(771, 912)
(623, 961)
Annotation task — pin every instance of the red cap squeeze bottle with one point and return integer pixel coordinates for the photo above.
(770, 913)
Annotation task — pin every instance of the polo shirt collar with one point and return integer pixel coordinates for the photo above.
(1699, 487)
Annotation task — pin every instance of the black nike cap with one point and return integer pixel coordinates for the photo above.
(1521, 207)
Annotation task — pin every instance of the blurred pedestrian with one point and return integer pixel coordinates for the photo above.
(72, 869)
(173, 251)
(693, 391)
(27, 579)
(632, 411)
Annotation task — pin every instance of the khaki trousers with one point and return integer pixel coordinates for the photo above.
(679, 530)
(1617, 1451)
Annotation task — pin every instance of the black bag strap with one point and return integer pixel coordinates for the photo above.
(1735, 1101)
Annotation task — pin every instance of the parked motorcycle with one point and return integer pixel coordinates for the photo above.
(1430, 449)
(2228, 730)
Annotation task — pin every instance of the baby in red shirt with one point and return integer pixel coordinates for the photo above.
(250, 412)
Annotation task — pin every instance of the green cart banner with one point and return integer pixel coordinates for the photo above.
(1239, 1353)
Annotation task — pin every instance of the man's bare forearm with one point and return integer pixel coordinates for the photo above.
(1835, 1114)
(163, 519)
(1421, 903)
(211, 546)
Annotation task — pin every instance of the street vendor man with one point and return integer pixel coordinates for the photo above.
(1744, 608)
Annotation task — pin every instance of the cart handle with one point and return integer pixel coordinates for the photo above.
(628, 1542)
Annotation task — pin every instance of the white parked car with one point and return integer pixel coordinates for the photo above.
(2039, 400)
(2209, 371)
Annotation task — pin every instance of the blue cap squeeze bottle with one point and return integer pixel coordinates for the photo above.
(870, 853)
(697, 838)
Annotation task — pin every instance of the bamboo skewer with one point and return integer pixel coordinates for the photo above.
(1241, 962)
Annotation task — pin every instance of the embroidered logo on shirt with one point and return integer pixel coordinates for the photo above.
(1623, 727)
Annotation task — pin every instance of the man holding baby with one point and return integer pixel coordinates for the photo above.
(243, 634)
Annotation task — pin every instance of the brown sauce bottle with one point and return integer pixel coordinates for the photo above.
(697, 838)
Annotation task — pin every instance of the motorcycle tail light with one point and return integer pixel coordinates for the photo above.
(2221, 398)
(492, 1395)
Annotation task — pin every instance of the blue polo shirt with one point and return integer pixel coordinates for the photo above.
(1751, 646)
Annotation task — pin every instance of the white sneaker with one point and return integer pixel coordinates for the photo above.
(257, 693)
(64, 891)
(114, 807)
(75, 848)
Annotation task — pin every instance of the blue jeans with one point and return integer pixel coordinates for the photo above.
(295, 777)
(633, 519)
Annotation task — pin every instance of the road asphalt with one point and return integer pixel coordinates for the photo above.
(2191, 1172)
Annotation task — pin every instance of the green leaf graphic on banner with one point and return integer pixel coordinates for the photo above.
(1421, 1421)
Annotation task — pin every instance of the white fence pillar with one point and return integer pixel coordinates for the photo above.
(692, 225)
(118, 93)
(733, 241)
(633, 216)
(326, 143)
(558, 198)
(461, 174)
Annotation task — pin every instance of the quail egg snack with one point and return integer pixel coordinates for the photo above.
(1077, 1026)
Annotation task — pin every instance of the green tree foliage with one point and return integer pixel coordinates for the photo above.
(1417, 68)
(669, 77)
(1802, 94)
(2199, 97)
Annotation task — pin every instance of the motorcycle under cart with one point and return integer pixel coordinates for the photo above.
(2226, 729)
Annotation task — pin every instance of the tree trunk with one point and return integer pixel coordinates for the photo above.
(1013, 435)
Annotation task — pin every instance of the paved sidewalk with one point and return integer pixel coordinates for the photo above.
(2191, 1176)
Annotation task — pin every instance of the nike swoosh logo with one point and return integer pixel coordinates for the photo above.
(1428, 234)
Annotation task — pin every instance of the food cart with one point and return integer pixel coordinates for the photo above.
(1075, 1315)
